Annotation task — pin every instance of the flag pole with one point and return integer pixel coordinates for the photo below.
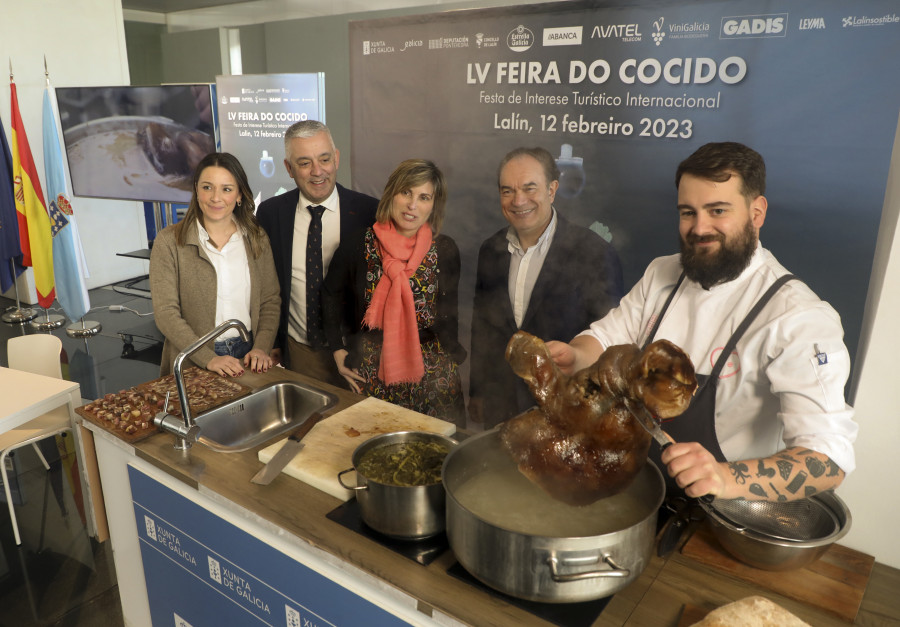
(87, 328)
(80, 328)
(17, 315)
(53, 321)
(50, 321)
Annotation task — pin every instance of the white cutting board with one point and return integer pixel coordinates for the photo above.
(330, 444)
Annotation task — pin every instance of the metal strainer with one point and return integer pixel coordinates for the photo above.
(803, 520)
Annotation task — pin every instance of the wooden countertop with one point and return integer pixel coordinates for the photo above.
(655, 599)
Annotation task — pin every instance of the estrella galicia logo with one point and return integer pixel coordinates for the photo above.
(754, 26)
(520, 39)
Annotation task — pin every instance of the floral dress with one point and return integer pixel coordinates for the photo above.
(439, 392)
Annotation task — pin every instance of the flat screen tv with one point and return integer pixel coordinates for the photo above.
(136, 143)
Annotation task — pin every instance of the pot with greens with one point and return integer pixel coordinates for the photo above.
(398, 483)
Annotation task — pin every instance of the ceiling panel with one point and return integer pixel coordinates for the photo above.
(170, 6)
(184, 15)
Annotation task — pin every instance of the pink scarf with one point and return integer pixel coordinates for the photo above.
(392, 307)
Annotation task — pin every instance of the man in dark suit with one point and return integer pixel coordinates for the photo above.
(305, 226)
(542, 274)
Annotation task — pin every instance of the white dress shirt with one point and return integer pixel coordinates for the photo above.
(232, 279)
(525, 267)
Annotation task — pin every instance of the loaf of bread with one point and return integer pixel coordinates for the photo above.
(755, 611)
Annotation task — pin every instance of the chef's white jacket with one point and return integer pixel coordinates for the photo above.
(784, 384)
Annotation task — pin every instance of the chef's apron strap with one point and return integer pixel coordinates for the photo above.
(663, 311)
(745, 324)
(698, 422)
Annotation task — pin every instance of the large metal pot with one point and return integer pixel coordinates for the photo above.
(513, 537)
(404, 512)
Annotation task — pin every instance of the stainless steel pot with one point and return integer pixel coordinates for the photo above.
(770, 552)
(408, 513)
(514, 538)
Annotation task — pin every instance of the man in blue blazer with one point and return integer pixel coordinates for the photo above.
(542, 274)
(312, 160)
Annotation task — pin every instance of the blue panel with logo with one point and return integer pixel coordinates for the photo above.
(203, 571)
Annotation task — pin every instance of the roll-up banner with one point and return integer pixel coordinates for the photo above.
(620, 93)
(254, 111)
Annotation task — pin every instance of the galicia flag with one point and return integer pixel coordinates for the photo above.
(69, 266)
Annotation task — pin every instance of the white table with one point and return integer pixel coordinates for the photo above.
(25, 396)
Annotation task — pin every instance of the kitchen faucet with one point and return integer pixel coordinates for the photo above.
(185, 430)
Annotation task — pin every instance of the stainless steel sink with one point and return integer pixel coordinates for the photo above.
(261, 416)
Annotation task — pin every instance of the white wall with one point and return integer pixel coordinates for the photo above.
(84, 42)
(871, 492)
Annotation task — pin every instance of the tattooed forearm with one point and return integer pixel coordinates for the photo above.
(789, 474)
(763, 471)
(792, 455)
(818, 465)
(778, 495)
(797, 482)
(815, 466)
(740, 472)
(784, 468)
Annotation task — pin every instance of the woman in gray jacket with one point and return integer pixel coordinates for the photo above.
(214, 265)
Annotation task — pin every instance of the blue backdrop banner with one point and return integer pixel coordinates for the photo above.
(621, 92)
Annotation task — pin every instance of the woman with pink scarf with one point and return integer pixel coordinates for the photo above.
(400, 278)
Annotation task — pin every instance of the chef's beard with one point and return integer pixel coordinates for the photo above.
(709, 269)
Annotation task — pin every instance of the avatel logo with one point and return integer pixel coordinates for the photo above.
(622, 32)
(748, 26)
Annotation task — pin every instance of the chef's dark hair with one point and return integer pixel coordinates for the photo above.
(541, 155)
(244, 210)
(718, 161)
(412, 173)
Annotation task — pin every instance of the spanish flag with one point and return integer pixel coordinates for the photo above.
(34, 222)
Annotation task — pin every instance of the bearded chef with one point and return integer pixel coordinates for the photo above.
(769, 420)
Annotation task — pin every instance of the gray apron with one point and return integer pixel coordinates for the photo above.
(698, 422)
